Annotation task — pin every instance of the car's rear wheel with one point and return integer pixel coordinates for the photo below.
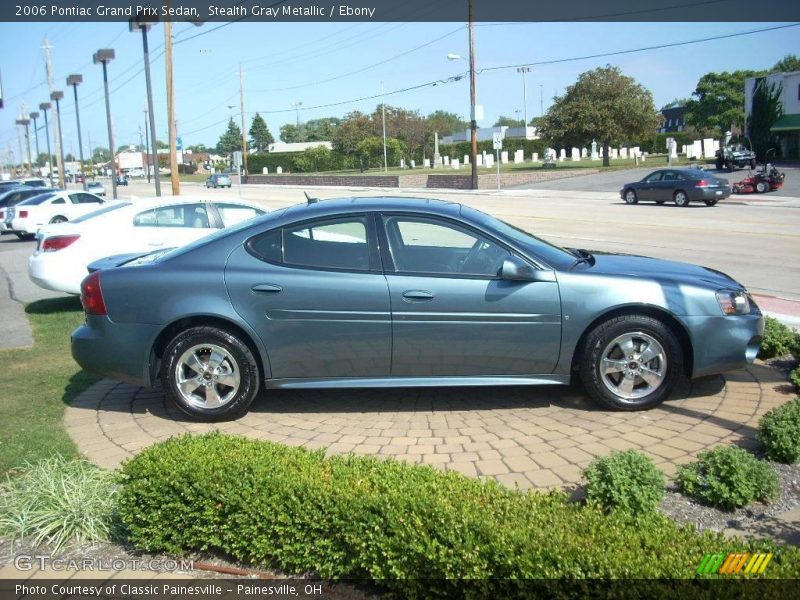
(681, 199)
(630, 197)
(710, 202)
(209, 374)
(58, 219)
(762, 187)
(631, 362)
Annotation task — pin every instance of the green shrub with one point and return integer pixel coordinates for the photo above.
(728, 477)
(779, 340)
(625, 481)
(779, 431)
(59, 501)
(409, 528)
(794, 376)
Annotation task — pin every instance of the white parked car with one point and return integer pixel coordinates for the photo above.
(64, 251)
(28, 216)
(96, 187)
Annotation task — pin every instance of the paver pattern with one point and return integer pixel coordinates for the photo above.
(531, 437)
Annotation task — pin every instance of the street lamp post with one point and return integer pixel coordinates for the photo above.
(74, 81)
(34, 116)
(25, 122)
(44, 107)
(524, 70)
(104, 56)
(56, 97)
(473, 123)
(143, 26)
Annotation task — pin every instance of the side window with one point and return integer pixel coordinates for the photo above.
(268, 246)
(669, 176)
(654, 177)
(89, 199)
(328, 244)
(179, 215)
(421, 245)
(145, 219)
(61, 201)
(74, 198)
(232, 214)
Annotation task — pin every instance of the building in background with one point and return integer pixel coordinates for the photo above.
(787, 128)
(674, 119)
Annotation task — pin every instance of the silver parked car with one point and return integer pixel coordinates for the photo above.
(392, 292)
(218, 180)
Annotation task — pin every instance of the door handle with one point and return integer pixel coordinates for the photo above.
(271, 288)
(418, 295)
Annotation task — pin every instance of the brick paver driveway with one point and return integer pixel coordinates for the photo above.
(533, 437)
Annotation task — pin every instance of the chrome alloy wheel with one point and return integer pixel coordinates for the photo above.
(633, 365)
(207, 376)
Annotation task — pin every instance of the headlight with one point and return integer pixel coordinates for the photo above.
(734, 302)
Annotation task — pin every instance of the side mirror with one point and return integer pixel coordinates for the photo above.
(516, 269)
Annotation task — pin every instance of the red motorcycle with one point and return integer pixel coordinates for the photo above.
(764, 180)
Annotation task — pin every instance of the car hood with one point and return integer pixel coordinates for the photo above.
(606, 263)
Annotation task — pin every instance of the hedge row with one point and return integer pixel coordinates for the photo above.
(415, 530)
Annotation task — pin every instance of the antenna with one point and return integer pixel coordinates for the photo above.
(310, 200)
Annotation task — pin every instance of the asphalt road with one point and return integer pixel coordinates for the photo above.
(612, 181)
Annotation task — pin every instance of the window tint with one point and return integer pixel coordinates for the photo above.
(420, 245)
(329, 244)
(669, 176)
(36, 200)
(59, 201)
(654, 177)
(179, 215)
(236, 213)
(88, 199)
(268, 246)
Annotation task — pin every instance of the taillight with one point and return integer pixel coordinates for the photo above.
(23, 214)
(58, 242)
(92, 295)
(702, 183)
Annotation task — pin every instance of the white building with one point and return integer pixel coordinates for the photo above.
(298, 146)
(788, 126)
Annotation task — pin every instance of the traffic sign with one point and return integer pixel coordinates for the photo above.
(497, 141)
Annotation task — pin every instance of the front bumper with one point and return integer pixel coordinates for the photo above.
(724, 343)
(118, 350)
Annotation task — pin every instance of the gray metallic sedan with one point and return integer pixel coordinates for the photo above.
(389, 292)
(680, 186)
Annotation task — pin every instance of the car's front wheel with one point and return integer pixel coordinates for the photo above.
(209, 374)
(630, 197)
(631, 362)
(681, 199)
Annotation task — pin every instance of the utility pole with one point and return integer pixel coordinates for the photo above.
(91, 156)
(19, 143)
(56, 127)
(244, 131)
(473, 124)
(524, 70)
(383, 119)
(172, 133)
(75, 81)
(44, 107)
(103, 57)
(143, 26)
(146, 146)
(541, 100)
(34, 116)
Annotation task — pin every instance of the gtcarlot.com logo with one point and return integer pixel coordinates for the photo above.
(734, 563)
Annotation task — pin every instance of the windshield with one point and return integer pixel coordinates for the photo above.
(101, 211)
(553, 255)
(36, 200)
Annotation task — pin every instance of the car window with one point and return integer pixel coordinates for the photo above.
(328, 244)
(654, 177)
(35, 200)
(268, 246)
(59, 201)
(669, 176)
(422, 245)
(236, 213)
(178, 215)
(88, 199)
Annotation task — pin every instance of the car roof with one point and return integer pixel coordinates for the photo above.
(380, 203)
(152, 202)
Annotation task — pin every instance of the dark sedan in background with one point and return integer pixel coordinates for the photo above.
(388, 292)
(680, 186)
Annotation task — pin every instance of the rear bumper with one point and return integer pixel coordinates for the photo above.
(724, 343)
(25, 226)
(118, 350)
(53, 273)
(710, 193)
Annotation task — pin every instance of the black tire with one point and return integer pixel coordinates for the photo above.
(630, 197)
(719, 165)
(239, 360)
(710, 202)
(731, 167)
(58, 219)
(681, 198)
(599, 339)
(762, 187)
(753, 164)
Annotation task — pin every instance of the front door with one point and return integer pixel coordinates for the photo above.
(451, 313)
(649, 188)
(315, 295)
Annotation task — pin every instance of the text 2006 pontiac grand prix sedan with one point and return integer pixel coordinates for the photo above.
(389, 292)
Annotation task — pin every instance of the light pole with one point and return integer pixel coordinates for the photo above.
(105, 56)
(143, 26)
(44, 107)
(75, 81)
(524, 70)
(56, 97)
(34, 116)
(25, 122)
(541, 100)
(146, 145)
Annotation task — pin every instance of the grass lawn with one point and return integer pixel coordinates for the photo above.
(37, 383)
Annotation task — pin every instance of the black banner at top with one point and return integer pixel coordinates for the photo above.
(200, 11)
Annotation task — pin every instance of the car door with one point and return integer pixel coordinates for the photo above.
(452, 315)
(168, 226)
(315, 295)
(648, 189)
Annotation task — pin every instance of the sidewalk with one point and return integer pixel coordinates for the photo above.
(785, 310)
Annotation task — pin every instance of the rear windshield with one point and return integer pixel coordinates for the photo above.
(36, 200)
(101, 211)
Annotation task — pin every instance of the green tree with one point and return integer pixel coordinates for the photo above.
(199, 148)
(767, 109)
(313, 160)
(717, 105)
(603, 105)
(291, 133)
(231, 140)
(504, 121)
(42, 159)
(321, 130)
(446, 123)
(260, 136)
(370, 151)
(676, 102)
(101, 155)
(356, 127)
(160, 145)
(788, 63)
(69, 158)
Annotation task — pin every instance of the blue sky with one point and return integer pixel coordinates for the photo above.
(276, 56)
